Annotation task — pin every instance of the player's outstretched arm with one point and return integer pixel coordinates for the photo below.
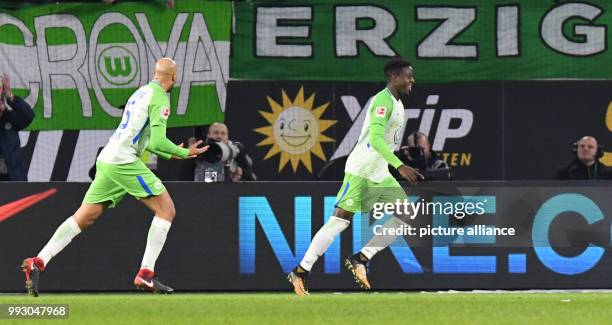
(380, 113)
(158, 143)
(377, 140)
(194, 150)
(164, 155)
(163, 147)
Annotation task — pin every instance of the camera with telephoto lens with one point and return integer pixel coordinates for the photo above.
(219, 151)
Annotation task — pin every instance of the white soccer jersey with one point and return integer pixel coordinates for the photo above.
(130, 139)
(366, 162)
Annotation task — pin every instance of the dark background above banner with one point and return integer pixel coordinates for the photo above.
(484, 130)
(542, 119)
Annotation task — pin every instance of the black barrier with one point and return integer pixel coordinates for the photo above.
(463, 121)
(544, 118)
(247, 236)
(508, 130)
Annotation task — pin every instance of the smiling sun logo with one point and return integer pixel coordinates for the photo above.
(295, 130)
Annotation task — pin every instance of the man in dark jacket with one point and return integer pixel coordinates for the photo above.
(586, 164)
(15, 115)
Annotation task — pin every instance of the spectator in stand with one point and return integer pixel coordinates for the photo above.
(586, 164)
(15, 115)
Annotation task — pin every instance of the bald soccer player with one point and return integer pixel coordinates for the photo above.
(120, 171)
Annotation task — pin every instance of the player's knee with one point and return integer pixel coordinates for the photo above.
(343, 214)
(87, 215)
(84, 221)
(167, 213)
(172, 212)
(95, 213)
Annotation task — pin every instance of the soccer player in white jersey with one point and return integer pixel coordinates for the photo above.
(367, 177)
(120, 171)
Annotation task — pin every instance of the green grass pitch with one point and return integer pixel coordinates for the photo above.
(345, 308)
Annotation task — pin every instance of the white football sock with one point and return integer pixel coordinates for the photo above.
(155, 242)
(380, 242)
(322, 239)
(60, 239)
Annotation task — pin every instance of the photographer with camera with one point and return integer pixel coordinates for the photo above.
(418, 154)
(225, 160)
(15, 115)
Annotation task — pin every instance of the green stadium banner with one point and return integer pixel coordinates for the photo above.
(76, 63)
(445, 40)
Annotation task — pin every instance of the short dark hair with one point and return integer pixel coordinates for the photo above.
(395, 65)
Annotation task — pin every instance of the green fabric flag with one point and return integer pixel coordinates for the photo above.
(76, 63)
(445, 40)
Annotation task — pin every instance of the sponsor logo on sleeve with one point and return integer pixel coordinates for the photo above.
(165, 112)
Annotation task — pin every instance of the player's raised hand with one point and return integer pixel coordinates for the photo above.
(6, 86)
(410, 174)
(195, 149)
